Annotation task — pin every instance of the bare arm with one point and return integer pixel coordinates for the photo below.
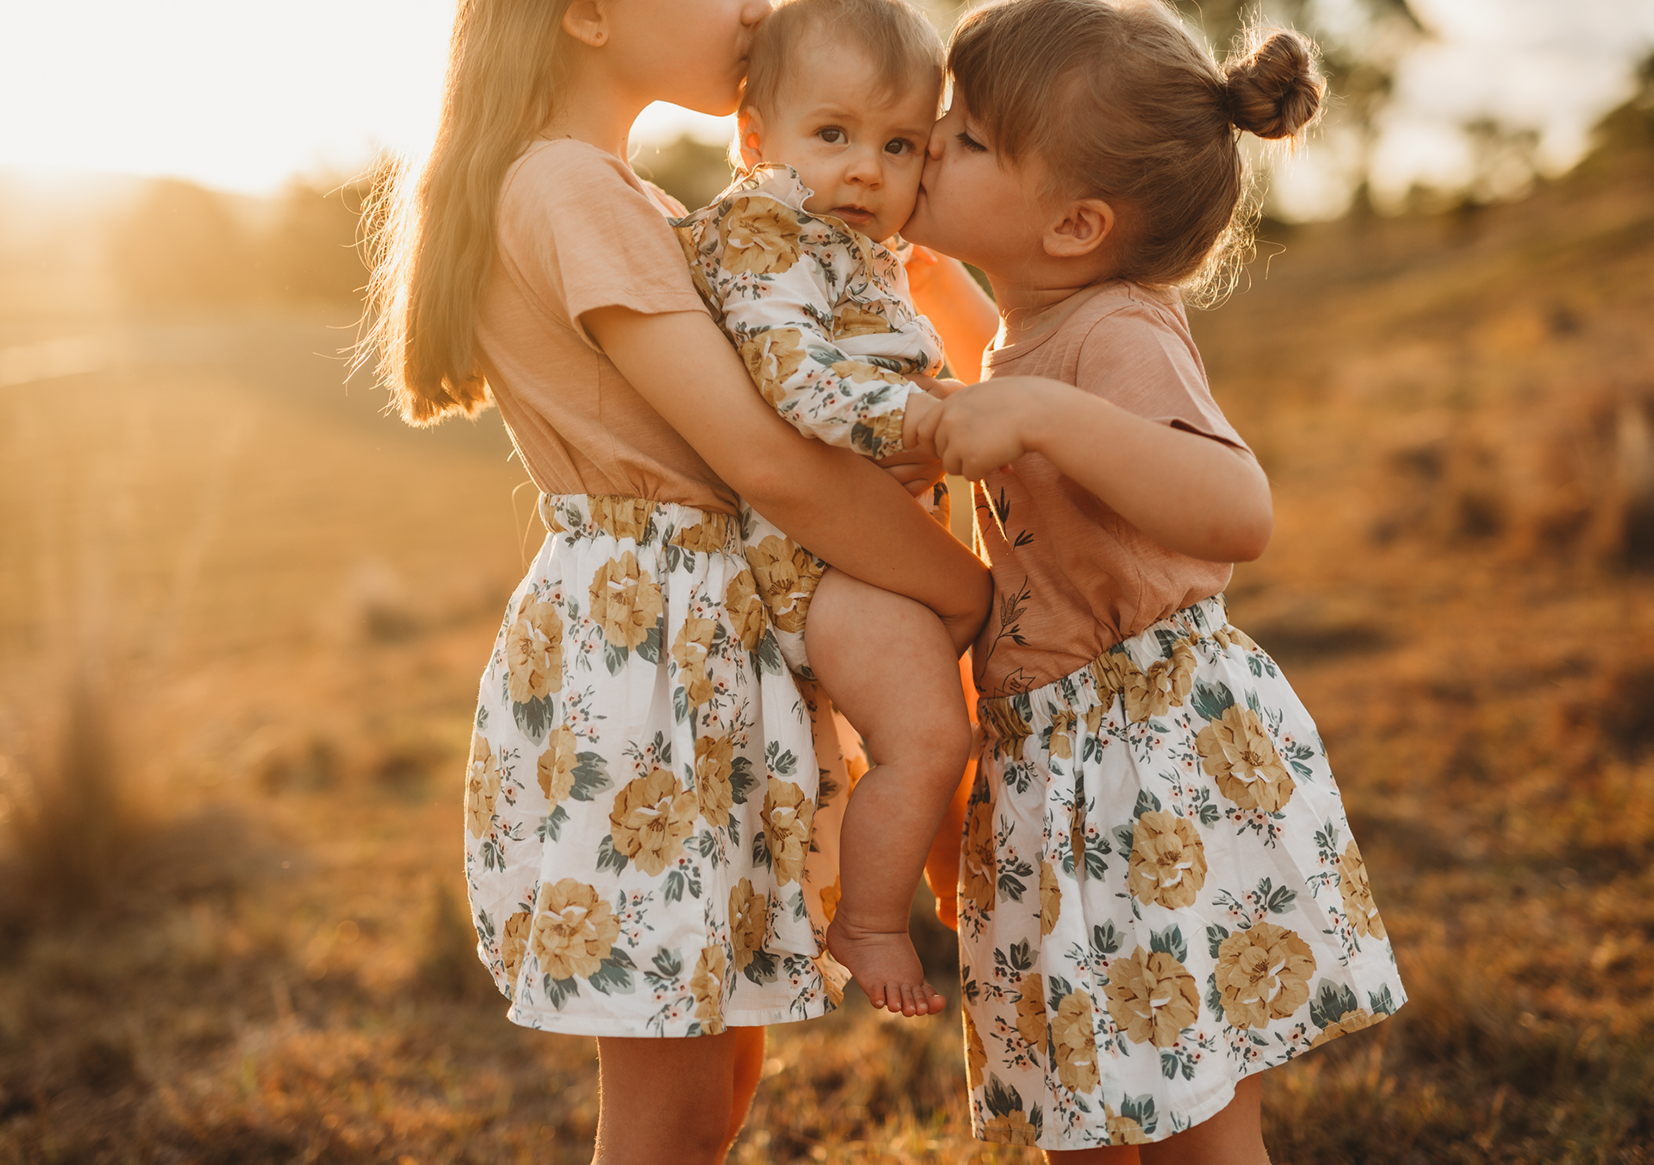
(959, 309)
(840, 505)
(1188, 492)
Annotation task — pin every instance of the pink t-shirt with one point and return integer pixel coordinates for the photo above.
(579, 231)
(1071, 576)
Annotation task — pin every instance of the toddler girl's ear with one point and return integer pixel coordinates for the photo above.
(749, 137)
(586, 21)
(1082, 229)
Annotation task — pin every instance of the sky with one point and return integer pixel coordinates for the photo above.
(243, 94)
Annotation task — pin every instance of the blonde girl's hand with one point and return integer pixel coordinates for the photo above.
(987, 426)
(921, 264)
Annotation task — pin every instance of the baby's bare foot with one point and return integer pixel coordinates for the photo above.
(885, 966)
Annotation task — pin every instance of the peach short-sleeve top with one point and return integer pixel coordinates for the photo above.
(1071, 576)
(579, 231)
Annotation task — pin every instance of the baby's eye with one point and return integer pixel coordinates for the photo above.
(971, 143)
(832, 135)
(898, 147)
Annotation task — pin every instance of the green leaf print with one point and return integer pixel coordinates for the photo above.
(668, 964)
(680, 704)
(1020, 956)
(533, 718)
(1254, 703)
(782, 764)
(1123, 837)
(1141, 1110)
(1057, 989)
(769, 654)
(1000, 1097)
(649, 649)
(1278, 899)
(607, 857)
(1332, 1002)
(1211, 701)
(485, 928)
(1167, 640)
(676, 884)
(1147, 802)
(762, 969)
(1215, 935)
(800, 911)
(551, 826)
(559, 991)
(1171, 941)
(1095, 867)
(591, 776)
(824, 353)
(741, 780)
(614, 977)
(1105, 940)
(1214, 997)
(760, 849)
(1168, 1066)
(614, 658)
(1381, 1000)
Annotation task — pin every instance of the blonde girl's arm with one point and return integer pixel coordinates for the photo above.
(840, 505)
(1190, 493)
(958, 308)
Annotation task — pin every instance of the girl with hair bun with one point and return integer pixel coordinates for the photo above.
(1159, 894)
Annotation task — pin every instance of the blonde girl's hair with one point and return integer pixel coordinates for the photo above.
(903, 45)
(431, 233)
(1121, 103)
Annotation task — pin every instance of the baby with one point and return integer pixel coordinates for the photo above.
(792, 259)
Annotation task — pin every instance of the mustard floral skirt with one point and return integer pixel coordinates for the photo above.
(1159, 895)
(648, 832)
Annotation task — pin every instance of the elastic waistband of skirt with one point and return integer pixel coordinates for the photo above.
(1099, 681)
(643, 521)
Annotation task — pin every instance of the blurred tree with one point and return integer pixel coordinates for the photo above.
(312, 252)
(180, 245)
(692, 171)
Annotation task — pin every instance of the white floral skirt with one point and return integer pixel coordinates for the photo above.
(648, 831)
(1159, 894)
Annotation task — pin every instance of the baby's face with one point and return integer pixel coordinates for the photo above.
(860, 151)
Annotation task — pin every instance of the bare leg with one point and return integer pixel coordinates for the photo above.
(1232, 1137)
(942, 863)
(680, 1100)
(890, 668)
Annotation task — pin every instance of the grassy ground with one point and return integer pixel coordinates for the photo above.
(230, 930)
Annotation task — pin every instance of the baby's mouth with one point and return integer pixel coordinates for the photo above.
(853, 215)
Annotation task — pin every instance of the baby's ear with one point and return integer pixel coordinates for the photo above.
(749, 137)
(1079, 229)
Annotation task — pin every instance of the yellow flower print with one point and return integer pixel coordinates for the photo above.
(861, 372)
(747, 617)
(976, 1053)
(788, 814)
(1006, 725)
(749, 914)
(707, 986)
(1094, 718)
(573, 931)
(625, 603)
(1357, 892)
(1050, 898)
(514, 943)
(979, 857)
(1011, 1129)
(1352, 1021)
(830, 899)
(1122, 1130)
(1074, 1043)
(1152, 996)
(760, 237)
(1234, 636)
(773, 358)
(482, 786)
(622, 517)
(1031, 1013)
(689, 651)
(1263, 974)
(1163, 687)
(706, 537)
(883, 433)
(714, 762)
(1062, 735)
(1237, 751)
(555, 768)
(851, 318)
(786, 574)
(1109, 674)
(651, 817)
(1168, 860)
(534, 651)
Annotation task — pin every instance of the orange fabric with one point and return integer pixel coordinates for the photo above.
(579, 231)
(1071, 576)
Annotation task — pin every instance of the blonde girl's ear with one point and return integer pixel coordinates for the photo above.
(749, 138)
(1084, 226)
(587, 21)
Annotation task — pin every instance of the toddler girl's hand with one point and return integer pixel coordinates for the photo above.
(987, 426)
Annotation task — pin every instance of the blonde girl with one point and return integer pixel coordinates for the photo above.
(1160, 895)
(650, 825)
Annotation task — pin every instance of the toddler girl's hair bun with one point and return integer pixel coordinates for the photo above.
(1275, 90)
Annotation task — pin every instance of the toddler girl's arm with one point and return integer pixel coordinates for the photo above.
(1188, 492)
(682, 365)
(781, 276)
(961, 311)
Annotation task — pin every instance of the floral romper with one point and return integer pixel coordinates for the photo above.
(822, 317)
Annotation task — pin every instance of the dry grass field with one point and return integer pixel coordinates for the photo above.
(242, 615)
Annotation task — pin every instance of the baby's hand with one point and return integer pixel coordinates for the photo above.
(917, 470)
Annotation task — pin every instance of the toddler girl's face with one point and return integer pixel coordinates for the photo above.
(975, 205)
(689, 52)
(860, 151)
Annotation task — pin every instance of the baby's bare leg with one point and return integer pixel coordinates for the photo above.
(889, 666)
